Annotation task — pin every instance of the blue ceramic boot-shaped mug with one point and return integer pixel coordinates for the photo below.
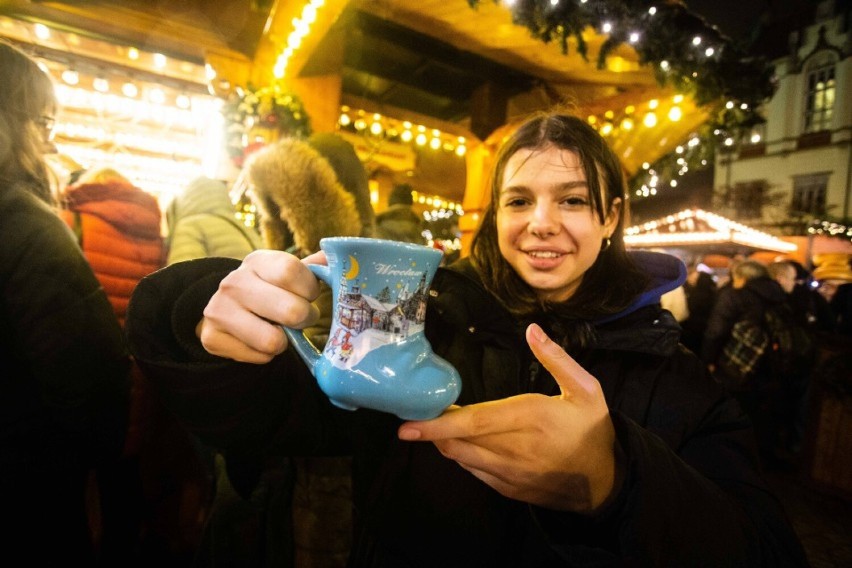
(377, 355)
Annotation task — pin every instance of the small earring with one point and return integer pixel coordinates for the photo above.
(606, 242)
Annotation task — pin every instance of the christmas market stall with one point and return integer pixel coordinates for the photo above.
(693, 234)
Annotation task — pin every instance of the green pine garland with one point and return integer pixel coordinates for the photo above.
(666, 33)
(269, 107)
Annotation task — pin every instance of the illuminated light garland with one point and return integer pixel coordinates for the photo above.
(301, 28)
(665, 232)
(686, 52)
(70, 46)
(380, 127)
(830, 229)
(438, 203)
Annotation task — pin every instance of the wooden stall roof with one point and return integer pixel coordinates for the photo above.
(699, 229)
(404, 59)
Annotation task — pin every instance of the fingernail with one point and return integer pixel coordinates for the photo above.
(538, 333)
(409, 434)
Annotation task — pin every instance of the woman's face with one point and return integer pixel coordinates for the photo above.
(546, 227)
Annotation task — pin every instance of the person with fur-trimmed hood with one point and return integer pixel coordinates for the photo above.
(351, 174)
(297, 192)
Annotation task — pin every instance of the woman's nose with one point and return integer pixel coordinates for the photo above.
(544, 220)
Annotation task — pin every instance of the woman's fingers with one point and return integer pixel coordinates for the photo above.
(270, 289)
(224, 345)
(469, 421)
(573, 380)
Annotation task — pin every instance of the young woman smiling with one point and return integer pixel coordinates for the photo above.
(584, 434)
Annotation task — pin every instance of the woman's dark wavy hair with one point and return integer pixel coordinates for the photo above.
(26, 96)
(614, 280)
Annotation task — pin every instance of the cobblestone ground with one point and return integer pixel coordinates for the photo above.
(822, 520)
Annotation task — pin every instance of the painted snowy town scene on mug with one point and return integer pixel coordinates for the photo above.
(364, 322)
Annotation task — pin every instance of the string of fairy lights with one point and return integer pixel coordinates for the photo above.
(830, 229)
(686, 53)
(381, 127)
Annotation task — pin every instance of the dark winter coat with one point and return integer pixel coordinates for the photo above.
(700, 299)
(692, 495)
(400, 223)
(64, 388)
(733, 305)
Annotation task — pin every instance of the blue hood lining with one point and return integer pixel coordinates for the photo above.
(666, 272)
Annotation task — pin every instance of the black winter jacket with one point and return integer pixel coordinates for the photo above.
(692, 495)
(64, 387)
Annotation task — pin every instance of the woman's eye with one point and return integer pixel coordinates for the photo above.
(514, 202)
(575, 201)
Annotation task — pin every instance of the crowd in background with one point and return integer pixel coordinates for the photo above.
(122, 473)
(811, 347)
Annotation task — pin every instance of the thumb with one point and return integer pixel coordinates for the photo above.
(573, 380)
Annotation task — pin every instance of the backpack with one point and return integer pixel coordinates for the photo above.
(792, 349)
(777, 342)
(742, 353)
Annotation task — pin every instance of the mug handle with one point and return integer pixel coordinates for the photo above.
(304, 348)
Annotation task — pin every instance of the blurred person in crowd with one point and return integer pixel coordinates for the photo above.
(64, 385)
(399, 222)
(753, 293)
(804, 303)
(675, 302)
(841, 306)
(701, 291)
(202, 223)
(810, 307)
(584, 435)
(117, 225)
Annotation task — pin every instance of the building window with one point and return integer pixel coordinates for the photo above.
(820, 95)
(809, 194)
(747, 199)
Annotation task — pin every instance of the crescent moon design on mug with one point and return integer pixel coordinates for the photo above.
(354, 269)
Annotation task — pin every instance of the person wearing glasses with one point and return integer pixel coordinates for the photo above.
(64, 385)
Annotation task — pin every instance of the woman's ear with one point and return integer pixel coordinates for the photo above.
(613, 216)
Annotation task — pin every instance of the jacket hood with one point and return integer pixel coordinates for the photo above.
(350, 173)
(666, 272)
(296, 188)
(202, 195)
(121, 204)
(645, 327)
(766, 289)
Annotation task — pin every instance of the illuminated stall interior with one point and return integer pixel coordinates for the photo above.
(146, 115)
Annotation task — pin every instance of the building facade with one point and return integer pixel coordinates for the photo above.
(796, 167)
